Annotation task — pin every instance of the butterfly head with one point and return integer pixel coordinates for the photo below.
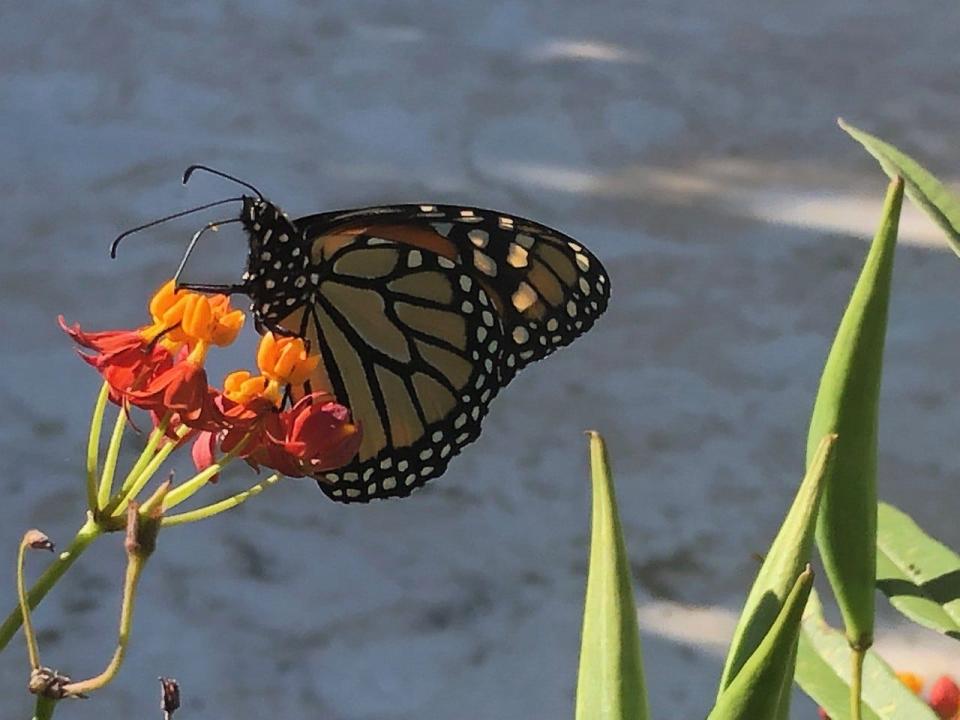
(277, 278)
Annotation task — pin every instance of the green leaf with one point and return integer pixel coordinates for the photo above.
(919, 575)
(610, 682)
(847, 404)
(923, 188)
(788, 555)
(823, 671)
(757, 690)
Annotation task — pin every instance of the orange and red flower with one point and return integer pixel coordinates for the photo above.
(313, 435)
(160, 368)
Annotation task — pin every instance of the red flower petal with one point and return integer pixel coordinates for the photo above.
(203, 450)
(318, 434)
(944, 697)
(180, 389)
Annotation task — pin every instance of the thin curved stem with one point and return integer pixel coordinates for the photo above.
(93, 446)
(110, 461)
(135, 563)
(33, 651)
(86, 535)
(216, 508)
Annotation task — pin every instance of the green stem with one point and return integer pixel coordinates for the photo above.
(93, 446)
(145, 457)
(187, 489)
(216, 508)
(86, 535)
(43, 710)
(110, 462)
(148, 472)
(856, 680)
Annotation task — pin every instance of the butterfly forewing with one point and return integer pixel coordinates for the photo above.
(548, 288)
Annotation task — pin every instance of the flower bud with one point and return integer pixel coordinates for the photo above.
(944, 697)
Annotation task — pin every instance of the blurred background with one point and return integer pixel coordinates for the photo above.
(691, 145)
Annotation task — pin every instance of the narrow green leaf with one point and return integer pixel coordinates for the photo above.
(823, 671)
(847, 404)
(920, 576)
(757, 689)
(931, 195)
(788, 555)
(610, 682)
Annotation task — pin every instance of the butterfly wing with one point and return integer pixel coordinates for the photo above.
(548, 289)
(411, 344)
(421, 314)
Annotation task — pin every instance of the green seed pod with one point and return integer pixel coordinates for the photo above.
(847, 404)
(757, 690)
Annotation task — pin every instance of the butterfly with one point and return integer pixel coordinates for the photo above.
(421, 314)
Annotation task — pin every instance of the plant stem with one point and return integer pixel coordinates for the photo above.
(188, 488)
(93, 446)
(44, 708)
(33, 652)
(137, 555)
(86, 535)
(202, 513)
(118, 506)
(135, 565)
(856, 680)
(110, 462)
(145, 457)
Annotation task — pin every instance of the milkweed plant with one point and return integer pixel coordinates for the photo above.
(156, 374)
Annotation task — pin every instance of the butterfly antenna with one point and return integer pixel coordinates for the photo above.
(193, 243)
(190, 170)
(121, 236)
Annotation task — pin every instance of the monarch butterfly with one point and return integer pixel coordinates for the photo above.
(421, 314)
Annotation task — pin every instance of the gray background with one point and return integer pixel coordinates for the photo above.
(692, 145)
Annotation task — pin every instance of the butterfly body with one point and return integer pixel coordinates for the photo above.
(421, 314)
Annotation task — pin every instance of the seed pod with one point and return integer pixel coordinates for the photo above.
(847, 404)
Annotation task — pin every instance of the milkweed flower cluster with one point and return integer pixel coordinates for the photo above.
(265, 418)
(159, 367)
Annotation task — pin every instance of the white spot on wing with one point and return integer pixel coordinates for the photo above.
(517, 256)
(523, 297)
(484, 263)
(479, 238)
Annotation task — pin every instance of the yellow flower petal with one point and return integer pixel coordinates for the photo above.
(285, 359)
(911, 680)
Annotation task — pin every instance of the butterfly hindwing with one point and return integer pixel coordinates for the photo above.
(412, 344)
